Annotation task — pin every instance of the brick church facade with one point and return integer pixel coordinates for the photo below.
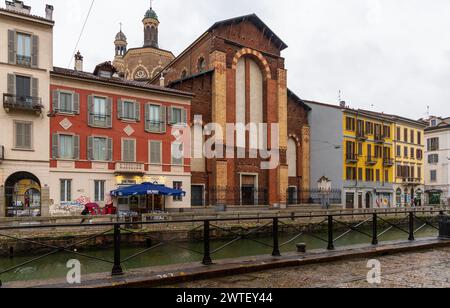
(237, 75)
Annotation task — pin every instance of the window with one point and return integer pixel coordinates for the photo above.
(405, 152)
(201, 65)
(386, 175)
(99, 188)
(184, 74)
(413, 152)
(433, 159)
(378, 151)
(399, 151)
(419, 138)
(360, 148)
(155, 152)
(378, 175)
(399, 134)
(405, 135)
(128, 150)
(350, 124)
(433, 122)
(413, 136)
(99, 109)
(369, 151)
(66, 102)
(177, 115)
(433, 144)
(360, 174)
(66, 190)
(370, 175)
(23, 49)
(177, 154)
(387, 131)
(351, 173)
(23, 87)
(66, 146)
(178, 186)
(100, 149)
(369, 128)
(419, 154)
(23, 135)
(433, 176)
(128, 110)
(419, 172)
(155, 118)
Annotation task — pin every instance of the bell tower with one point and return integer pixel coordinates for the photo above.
(151, 24)
(120, 43)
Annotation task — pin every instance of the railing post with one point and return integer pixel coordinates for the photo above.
(276, 243)
(330, 233)
(206, 244)
(375, 229)
(411, 226)
(117, 269)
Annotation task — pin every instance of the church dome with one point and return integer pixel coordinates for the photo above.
(151, 14)
(121, 36)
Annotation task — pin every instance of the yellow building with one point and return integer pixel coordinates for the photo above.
(368, 172)
(409, 146)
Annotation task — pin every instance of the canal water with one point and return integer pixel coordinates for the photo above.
(55, 266)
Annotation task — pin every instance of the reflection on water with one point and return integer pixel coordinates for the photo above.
(54, 266)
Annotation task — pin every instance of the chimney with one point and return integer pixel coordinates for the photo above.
(162, 81)
(78, 62)
(18, 6)
(49, 12)
(343, 104)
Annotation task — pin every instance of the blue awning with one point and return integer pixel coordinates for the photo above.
(146, 189)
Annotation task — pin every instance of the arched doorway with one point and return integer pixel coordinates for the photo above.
(23, 195)
(368, 200)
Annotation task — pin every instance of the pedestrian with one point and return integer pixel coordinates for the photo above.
(85, 212)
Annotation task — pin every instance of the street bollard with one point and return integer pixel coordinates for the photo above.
(206, 244)
(375, 229)
(117, 269)
(330, 233)
(411, 226)
(276, 242)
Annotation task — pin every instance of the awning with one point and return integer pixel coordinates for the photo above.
(146, 189)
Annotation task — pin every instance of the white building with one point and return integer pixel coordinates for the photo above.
(437, 161)
(26, 59)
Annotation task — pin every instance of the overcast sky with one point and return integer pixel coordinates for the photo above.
(384, 55)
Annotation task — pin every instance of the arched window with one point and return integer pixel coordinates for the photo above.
(292, 157)
(201, 65)
(183, 74)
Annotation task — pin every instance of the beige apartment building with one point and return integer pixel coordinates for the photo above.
(26, 59)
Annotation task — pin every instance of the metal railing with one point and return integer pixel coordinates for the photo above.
(11, 101)
(409, 222)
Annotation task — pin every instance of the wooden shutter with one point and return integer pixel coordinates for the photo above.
(110, 149)
(163, 124)
(90, 149)
(109, 112)
(137, 111)
(90, 110)
(55, 100)
(55, 146)
(147, 117)
(169, 113)
(34, 87)
(76, 147)
(27, 136)
(12, 47)
(35, 51)
(119, 109)
(11, 84)
(184, 116)
(76, 103)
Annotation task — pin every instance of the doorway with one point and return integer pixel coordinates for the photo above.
(197, 195)
(23, 195)
(248, 190)
(368, 200)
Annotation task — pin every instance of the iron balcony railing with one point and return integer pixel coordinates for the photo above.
(130, 168)
(351, 158)
(371, 161)
(379, 138)
(337, 224)
(28, 103)
(361, 134)
(23, 60)
(388, 162)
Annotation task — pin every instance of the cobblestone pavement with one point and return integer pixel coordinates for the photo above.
(426, 269)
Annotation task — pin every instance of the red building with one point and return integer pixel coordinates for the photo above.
(107, 132)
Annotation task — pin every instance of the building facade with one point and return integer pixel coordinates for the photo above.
(238, 76)
(409, 147)
(107, 132)
(26, 59)
(437, 157)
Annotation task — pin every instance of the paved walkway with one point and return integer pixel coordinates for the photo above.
(425, 269)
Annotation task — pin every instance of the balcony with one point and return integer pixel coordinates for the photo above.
(2, 153)
(371, 161)
(129, 168)
(361, 135)
(352, 158)
(412, 181)
(388, 162)
(24, 103)
(23, 60)
(379, 138)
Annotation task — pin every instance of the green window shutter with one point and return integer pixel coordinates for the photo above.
(109, 112)
(76, 147)
(119, 109)
(169, 112)
(90, 110)
(55, 146)
(34, 87)
(90, 150)
(35, 52)
(11, 84)
(76, 103)
(163, 124)
(184, 116)
(110, 149)
(137, 111)
(12, 47)
(55, 102)
(27, 136)
(147, 117)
